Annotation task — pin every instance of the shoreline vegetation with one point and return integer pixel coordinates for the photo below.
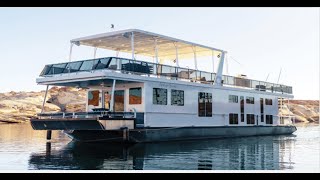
(19, 107)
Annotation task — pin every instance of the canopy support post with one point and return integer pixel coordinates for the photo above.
(70, 52)
(195, 57)
(218, 80)
(112, 95)
(132, 44)
(117, 53)
(44, 100)
(213, 61)
(94, 52)
(156, 50)
(177, 57)
(227, 65)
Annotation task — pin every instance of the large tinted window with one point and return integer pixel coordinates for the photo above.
(177, 97)
(101, 64)
(46, 70)
(113, 64)
(73, 67)
(86, 65)
(57, 68)
(135, 96)
(160, 96)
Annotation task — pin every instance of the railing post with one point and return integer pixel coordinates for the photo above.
(70, 53)
(112, 96)
(132, 45)
(44, 100)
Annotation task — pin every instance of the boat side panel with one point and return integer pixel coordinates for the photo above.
(187, 133)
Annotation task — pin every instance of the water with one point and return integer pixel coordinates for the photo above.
(22, 148)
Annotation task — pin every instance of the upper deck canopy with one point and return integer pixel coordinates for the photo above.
(147, 44)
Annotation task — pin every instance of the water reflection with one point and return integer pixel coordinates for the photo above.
(250, 153)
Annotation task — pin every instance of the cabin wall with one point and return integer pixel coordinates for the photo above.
(187, 115)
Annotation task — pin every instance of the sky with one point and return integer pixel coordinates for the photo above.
(260, 41)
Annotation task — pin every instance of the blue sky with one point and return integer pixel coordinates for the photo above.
(263, 40)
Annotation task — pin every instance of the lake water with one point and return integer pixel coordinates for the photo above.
(22, 148)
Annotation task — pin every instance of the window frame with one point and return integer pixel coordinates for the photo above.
(267, 102)
(249, 119)
(268, 120)
(166, 93)
(178, 96)
(249, 100)
(140, 95)
(207, 101)
(231, 118)
(232, 98)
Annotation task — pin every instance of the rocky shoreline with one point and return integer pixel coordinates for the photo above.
(18, 107)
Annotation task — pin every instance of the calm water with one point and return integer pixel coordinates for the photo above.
(22, 148)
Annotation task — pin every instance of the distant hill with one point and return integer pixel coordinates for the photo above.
(21, 106)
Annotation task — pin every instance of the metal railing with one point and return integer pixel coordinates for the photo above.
(75, 115)
(160, 70)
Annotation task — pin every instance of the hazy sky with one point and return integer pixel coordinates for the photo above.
(263, 40)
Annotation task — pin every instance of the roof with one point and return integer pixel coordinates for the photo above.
(144, 44)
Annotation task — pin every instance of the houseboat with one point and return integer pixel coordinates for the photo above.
(133, 100)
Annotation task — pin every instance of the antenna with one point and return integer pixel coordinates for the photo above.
(267, 77)
(279, 75)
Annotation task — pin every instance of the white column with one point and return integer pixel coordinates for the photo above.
(112, 95)
(156, 50)
(212, 61)
(227, 65)
(70, 52)
(44, 100)
(220, 70)
(177, 57)
(117, 53)
(94, 52)
(195, 57)
(132, 44)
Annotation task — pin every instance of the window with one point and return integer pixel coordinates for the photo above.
(269, 119)
(250, 118)
(233, 99)
(233, 118)
(135, 96)
(261, 110)
(160, 96)
(205, 104)
(242, 108)
(250, 100)
(177, 97)
(268, 101)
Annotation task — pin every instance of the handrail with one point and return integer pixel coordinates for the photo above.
(148, 68)
(63, 115)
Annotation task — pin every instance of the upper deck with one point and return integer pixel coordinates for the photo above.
(156, 70)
